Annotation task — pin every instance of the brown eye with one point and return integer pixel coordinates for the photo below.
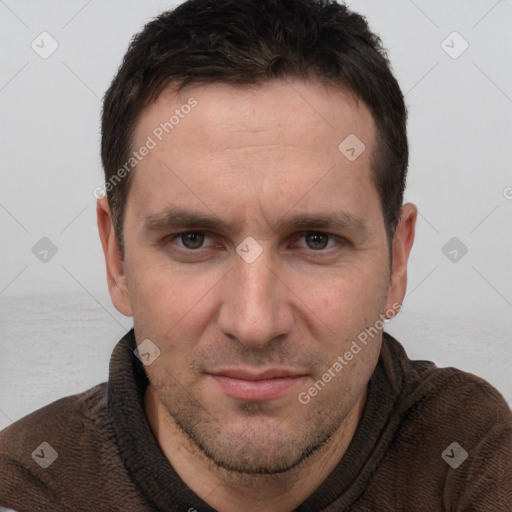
(192, 240)
(317, 241)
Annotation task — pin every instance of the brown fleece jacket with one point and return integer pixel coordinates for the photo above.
(402, 457)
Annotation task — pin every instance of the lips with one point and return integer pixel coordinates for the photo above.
(272, 373)
(248, 385)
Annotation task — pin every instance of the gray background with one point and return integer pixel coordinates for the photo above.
(57, 324)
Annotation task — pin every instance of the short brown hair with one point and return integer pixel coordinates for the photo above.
(250, 42)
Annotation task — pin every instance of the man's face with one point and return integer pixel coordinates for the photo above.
(242, 335)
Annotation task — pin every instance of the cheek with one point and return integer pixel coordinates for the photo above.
(346, 306)
(169, 305)
(350, 298)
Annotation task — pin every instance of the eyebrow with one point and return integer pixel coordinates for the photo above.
(178, 218)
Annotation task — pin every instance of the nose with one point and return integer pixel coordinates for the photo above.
(256, 308)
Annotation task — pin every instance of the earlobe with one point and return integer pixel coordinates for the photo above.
(114, 263)
(403, 240)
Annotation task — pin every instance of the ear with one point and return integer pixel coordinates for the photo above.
(401, 248)
(116, 278)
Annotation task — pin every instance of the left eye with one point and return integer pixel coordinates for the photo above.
(317, 241)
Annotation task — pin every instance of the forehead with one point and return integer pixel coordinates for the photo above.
(270, 145)
(302, 112)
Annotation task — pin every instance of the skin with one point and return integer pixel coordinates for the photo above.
(256, 155)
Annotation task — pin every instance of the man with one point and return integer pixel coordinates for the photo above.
(255, 156)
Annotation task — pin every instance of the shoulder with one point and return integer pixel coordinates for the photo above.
(466, 423)
(436, 409)
(448, 392)
(453, 406)
(32, 445)
(457, 396)
(53, 418)
(449, 434)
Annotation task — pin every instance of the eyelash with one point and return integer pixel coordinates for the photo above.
(171, 238)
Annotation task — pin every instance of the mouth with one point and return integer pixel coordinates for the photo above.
(247, 385)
